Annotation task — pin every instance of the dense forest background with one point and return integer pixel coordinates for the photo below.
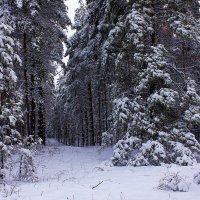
(132, 78)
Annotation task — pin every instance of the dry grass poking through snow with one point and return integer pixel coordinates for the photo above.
(74, 173)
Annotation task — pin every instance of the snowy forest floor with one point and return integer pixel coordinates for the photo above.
(74, 173)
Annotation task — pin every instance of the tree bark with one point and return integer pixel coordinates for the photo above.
(27, 103)
(41, 117)
(91, 118)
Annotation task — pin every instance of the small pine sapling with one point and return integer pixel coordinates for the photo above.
(27, 169)
(4, 155)
(174, 182)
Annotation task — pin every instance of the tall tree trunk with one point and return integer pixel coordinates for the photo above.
(2, 165)
(86, 130)
(66, 133)
(41, 117)
(183, 55)
(91, 118)
(99, 116)
(82, 131)
(27, 103)
(33, 107)
(106, 107)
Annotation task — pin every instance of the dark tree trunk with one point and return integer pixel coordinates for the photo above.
(33, 107)
(82, 131)
(27, 103)
(41, 117)
(106, 108)
(86, 130)
(99, 116)
(91, 118)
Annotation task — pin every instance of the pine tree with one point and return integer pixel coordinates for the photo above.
(10, 96)
(86, 80)
(155, 119)
(191, 105)
(27, 168)
(128, 62)
(37, 20)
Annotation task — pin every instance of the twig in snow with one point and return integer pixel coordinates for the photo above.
(97, 185)
(12, 189)
(122, 197)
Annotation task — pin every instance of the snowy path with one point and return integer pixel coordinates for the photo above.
(69, 173)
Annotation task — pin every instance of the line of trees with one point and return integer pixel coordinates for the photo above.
(31, 37)
(133, 72)
(132, 77)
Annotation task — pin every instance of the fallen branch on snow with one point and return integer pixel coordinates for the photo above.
(97, 185)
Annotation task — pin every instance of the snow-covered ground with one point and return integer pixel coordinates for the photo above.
(72, 173)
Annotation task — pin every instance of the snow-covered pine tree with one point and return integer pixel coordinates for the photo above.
(128, 40)
(37, 20)
(71, 92)
(123, 58)
(123, 150)
(158, 102)
(85, 85)
(10, 97)
(164, 135)
(191, 105)
(27, 167)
